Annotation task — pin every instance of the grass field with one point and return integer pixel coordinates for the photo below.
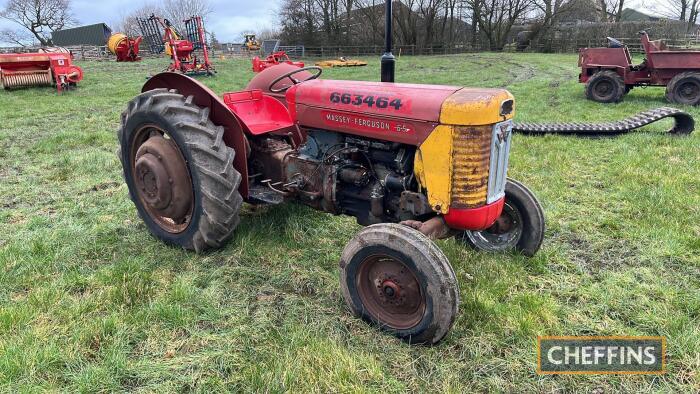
(90, 301)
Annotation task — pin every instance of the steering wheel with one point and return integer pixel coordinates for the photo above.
(295, 81)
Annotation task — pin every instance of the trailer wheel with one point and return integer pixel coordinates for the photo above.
(684, 89)
(605, 87)
(179, 171)
(520, 227)
(394, 276)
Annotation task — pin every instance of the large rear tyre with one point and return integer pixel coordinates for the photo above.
(394, 276)
(179, 171)
(684, 89)
(520, 227)
(605, 87)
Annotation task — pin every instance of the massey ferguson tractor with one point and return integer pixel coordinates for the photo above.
(411, 162)
(609, 73)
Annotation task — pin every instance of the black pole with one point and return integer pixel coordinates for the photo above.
(388, 59)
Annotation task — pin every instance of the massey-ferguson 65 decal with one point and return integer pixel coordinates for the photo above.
(365, 123)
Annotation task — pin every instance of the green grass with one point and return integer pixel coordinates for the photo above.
(90, 301)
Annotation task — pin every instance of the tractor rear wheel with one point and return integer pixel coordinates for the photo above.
(684, 89)
(605, 87)
(179, 171)
(520, 227)
(394, 276)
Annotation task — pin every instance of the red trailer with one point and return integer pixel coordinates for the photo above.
(609, 73)
(50, 66)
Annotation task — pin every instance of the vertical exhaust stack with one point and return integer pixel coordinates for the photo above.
(388, 59)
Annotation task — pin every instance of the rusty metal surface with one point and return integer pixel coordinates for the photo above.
(390, 292)
(219, 114)
(470, 163)
(684, 124)
(162, 180)
(435, 228)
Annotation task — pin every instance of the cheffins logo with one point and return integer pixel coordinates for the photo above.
(601, 355)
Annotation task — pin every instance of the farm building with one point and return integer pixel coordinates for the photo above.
(96, 34)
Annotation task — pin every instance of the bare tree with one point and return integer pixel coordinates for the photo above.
(684, 10)
(611, 10)
(176, 11)
(129, 23)
(21, 38)
(497, 17)
(38, 17)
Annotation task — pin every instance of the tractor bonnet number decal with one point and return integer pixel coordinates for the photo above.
(371, 101)
(365, 123)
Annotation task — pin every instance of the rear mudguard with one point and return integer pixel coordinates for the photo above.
(219, 113)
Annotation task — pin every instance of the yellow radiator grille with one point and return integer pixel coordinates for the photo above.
(470, 166)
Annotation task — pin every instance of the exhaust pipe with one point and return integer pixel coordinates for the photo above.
(388, 59)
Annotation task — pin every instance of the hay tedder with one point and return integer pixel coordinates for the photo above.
(47, 67)
(180, 49)
(274, 59)
(126, 49)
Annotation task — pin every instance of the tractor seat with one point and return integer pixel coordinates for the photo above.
(258, 112)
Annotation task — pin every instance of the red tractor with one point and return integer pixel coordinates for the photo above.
(609, 73)
(411, 162)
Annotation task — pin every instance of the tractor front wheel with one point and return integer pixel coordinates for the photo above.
(179, 171)
(520, 227)
(394, 276)
(605, 87)
(684, 89)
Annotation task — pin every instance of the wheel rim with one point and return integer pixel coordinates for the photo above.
(161, 178)
(604, 89)
(390, 292)
(689, 91)
(502, 235)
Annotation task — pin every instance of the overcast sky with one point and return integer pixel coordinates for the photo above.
(229, 20)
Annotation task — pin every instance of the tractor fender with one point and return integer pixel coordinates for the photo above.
(219, 113)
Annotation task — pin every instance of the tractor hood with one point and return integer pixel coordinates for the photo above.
(405, 113)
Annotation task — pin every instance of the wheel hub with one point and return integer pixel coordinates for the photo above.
(603, 88)
(689, 90)
(390, 292)
(504, 234)
(163, 181)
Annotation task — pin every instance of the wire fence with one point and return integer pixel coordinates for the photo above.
(551, 45)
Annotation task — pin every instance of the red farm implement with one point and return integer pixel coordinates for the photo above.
(125, 48)
(181, 49)
(609, 73)
(272, 60)
(44, 68)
